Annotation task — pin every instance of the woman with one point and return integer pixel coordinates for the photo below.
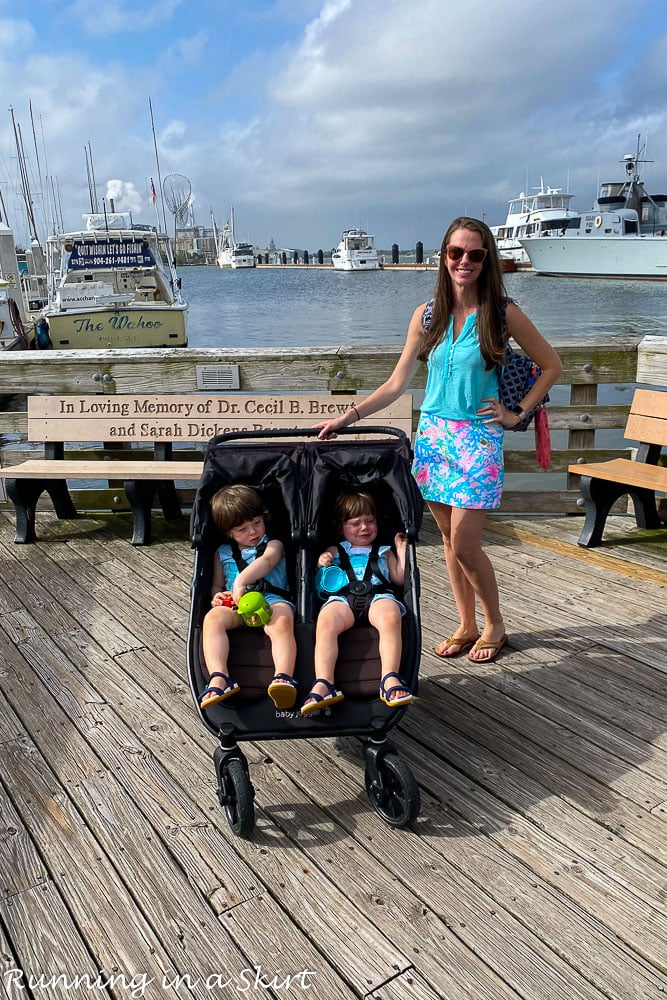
(459, 442)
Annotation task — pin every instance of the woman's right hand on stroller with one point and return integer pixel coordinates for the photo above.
(329, 427)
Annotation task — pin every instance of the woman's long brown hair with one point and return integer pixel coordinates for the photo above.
(490, 297)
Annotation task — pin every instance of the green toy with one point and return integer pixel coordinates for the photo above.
(254, 609)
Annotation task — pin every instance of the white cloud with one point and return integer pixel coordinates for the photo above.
(118, 16)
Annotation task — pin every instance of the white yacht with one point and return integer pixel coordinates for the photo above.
(243, 255)
(544, 213)
(228, 252)
(624, 235)
(355, 252)
(109, 286)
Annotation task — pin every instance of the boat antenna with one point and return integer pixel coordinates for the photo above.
(92, 184)
(159, 173)
(90, 179)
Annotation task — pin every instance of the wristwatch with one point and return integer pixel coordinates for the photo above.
(519, 411)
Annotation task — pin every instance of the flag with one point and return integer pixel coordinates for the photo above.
(153, 194)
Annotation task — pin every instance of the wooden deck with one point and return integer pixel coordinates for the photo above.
(536, 869)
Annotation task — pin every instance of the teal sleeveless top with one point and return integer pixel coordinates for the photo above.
(457, 376)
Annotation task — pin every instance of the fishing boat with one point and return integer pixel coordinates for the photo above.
(109, 285)
(228, 252)
(355, 252)
(624, 235)
(546, 212)
(224, 244)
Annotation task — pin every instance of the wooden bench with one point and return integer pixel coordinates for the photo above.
(603, 483)
(164, 421)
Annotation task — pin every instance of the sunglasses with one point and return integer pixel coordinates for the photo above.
(475, 256)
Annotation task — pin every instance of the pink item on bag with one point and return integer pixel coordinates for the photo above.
(542, 438)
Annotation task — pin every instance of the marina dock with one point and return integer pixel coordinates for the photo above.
(536, 868)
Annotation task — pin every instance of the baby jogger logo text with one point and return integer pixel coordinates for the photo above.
(245, 981)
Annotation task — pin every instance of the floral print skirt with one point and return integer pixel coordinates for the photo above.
(459, 462)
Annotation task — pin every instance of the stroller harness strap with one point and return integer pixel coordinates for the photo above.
(262, 586)
(360, 593)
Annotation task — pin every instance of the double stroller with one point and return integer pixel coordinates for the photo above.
(298, 478)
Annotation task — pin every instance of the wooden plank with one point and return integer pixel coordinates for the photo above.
(622, 471)
(522, 865)
(180, 419)
(42, 468)
(652, 361)
(437, 884)
(570, 550)
(411, 985)
(21, 867)
(116, 929)
(336, 367)
(278, 955)
(51, 950)
(394, 907)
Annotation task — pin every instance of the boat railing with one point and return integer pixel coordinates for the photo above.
(584, 406)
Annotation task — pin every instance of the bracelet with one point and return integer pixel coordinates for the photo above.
(353, 407)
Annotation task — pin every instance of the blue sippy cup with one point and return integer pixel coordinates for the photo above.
(330, 580)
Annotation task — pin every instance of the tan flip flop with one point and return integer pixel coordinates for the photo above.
(464, 641)
(486, 644)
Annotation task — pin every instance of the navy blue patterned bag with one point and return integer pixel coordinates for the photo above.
(516, 377)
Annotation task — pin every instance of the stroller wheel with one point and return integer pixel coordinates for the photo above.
(235, 792)
(395, 793)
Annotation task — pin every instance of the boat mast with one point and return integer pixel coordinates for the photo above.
(25, 182)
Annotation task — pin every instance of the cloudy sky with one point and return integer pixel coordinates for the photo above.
(313, 116)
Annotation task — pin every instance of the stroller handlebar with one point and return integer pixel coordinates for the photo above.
(298, 432)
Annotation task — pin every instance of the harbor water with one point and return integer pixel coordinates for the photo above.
(302, 307)
(319, 307)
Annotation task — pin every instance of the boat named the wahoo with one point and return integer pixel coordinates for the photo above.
(110, 286)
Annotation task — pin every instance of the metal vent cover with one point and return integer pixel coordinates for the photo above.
(215, 378)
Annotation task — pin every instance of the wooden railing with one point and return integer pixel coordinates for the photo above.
(587, 367)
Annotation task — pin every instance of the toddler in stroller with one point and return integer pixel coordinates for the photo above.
(298, 482)
(356, 578)
(247, 561)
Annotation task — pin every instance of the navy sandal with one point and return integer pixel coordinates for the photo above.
(321, 701)
(219, 694)
(385, 695)
(282, 691)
